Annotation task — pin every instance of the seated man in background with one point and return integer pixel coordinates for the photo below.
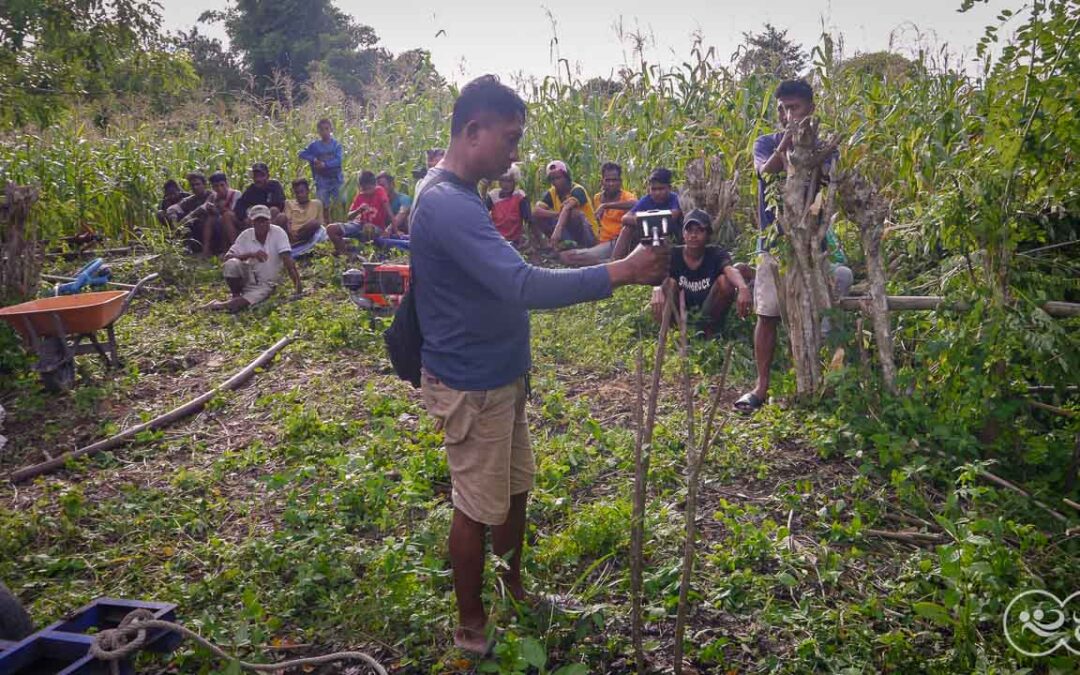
(400, 203)
(369, 216)
(661, 197)
(612, 203)
(325, 158)
(565, 212)
(173, 195)
(263, 190)
(509, 207)
(215, 221)
(706, 276)
(196, 199)
(254, 261)
(302, 217)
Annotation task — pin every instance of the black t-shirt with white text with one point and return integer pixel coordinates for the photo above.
(698, 282)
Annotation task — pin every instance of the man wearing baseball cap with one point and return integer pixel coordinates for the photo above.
(253, 263)
(263, 190)
(566, 212)
(706, 276)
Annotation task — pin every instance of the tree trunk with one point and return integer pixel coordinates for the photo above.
(865, 207)
(20, 267)
(804, 221)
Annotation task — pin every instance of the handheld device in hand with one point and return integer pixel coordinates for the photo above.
(654, 226)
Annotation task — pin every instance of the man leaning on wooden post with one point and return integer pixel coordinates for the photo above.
(473, 293)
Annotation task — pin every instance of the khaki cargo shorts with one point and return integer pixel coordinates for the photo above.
(767, 286)
(487, 445)
(255, 290)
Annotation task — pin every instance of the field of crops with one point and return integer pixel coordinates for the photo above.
(308, 511)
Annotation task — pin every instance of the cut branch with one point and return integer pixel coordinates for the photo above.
(158, 422)
(642, 453)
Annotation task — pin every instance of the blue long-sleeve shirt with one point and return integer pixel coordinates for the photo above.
(474, 292)
(331, 154)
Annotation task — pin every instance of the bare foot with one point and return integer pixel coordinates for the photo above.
(472, 640)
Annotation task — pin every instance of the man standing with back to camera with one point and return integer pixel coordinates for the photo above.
(473, 294)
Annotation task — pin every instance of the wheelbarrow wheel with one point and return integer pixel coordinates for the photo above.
(60, 380)
(15, 623)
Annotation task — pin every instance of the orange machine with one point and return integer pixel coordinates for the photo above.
(377, 285)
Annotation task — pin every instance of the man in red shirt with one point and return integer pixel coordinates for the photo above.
(369, 216)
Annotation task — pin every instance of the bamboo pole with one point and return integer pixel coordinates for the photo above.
(158, 422)
(930, 302)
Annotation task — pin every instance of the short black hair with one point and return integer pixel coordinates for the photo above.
(386, 175)
(301, 181)
(611, 166)
(218, 177)
(366, 178)
(325, 120)
(195, 175)
(485, 94)
(795, 89)
(660, 175)
(171, 184)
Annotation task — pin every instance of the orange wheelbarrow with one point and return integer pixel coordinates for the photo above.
(60, 328)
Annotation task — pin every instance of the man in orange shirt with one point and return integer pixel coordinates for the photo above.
(611, 204)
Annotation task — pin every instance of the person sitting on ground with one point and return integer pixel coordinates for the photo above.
(215, 221)
(706, 275)
(565, 212)
(254, 261)
(325, 158)
(173, 195)
(794, 102)
(263, 190)
(196, 199)
(612, 204)
(661, 197)
(302, 217)
(509, 207)
(369, 216)
(400, 203)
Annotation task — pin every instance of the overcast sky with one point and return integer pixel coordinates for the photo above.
(510, 38)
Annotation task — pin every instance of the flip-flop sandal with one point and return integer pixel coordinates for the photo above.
(749, 403)
(473, 647)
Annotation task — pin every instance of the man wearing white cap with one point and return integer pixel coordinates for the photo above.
(253, 263)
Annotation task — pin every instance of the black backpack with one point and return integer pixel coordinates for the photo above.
(403, 338)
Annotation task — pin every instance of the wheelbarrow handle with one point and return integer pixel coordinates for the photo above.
(135, 290)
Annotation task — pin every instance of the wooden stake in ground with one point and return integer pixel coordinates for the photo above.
(864, 206)
(158, 422)
(642, 450)
(694, 462)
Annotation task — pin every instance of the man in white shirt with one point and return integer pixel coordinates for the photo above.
(253, 263)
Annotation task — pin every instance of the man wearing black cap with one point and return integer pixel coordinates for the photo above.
(263, 190)
(707, 277)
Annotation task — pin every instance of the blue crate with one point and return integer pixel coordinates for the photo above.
(63, 647)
